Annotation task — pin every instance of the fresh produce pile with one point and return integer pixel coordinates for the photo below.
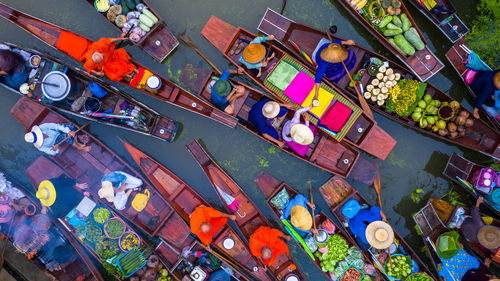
(92, 233)
(386, 17)
(153, 271)
(100, 215)
(130, 15)
(352, 274)
(107, 248)
(114, 228)
(419, 277)
(401, 267)
(404, 96)
(128, 241)
(378, 89)
(131, 262)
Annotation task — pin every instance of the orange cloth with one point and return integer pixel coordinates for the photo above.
(72, 44)
(268, 237)
(116, 62)
(209, 215)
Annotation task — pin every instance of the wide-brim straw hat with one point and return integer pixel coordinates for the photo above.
(271, 109)
(35, 136)
(334, 53)
(301, 134)
(379, 235)
(496, 80)
(222, 87)
(46, 193)
(107, 191)
(489, 236)
(254, 53)
(301, 218)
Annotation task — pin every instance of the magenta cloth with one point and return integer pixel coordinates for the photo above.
(336, 117)
(299, 148)
(300, 88)
(469, 76)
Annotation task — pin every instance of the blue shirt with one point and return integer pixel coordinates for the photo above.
(17, 78)
(116, 178)
(262, 123)
(322, 64)
(362, 219)
(483, 86)
(256, 40)
(299, 200)
(52, 131)
(220, 101)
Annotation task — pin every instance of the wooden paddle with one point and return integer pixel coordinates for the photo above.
(78, 130)
(312, 203)
(376, 184)
(362, 101)
(192, 45)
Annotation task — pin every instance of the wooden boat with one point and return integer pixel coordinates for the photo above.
(434, 219)
(324, 152)
(424, 63)
(147, 121)
(307, 38)
(159, 42)
(271, 186)
(458, 166)
(457, 56)
(360, 130)
(248, 218)
(169, 91)
(336, 192)
(79, 266)
(449, 24)
(185, 199)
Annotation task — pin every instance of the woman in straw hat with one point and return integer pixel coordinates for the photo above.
(263, 113)
(360, 222)
(486, 86)
(299, 135)
(59, 195)
(223, 94)
(46, 137)
(117, 186)
(299, 212)
(254, 55)
(489, 237)
(379, 235)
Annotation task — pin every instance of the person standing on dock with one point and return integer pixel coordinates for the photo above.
(46, 137)
(267, 245)
(254, 55)
(206, 221)
(116, 188)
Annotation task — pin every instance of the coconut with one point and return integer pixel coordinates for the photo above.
(380, 76)
(452, 127)
(376, 91)
(150, 274)
(134, 278)
(397, 76)
(453, 135)
(391, 76)
(370, 88)
(381, 85)
(464, 113)
(386, 96)
(460, 120)
(382, 69)
(375, 82)
(462, 133)
(380, 97)
(469, 122)
(367, 95)
(374, 98)
(153, 261)
(389, 71)
(443, 132)
(380, 102)
(384, 90)
(385, 79)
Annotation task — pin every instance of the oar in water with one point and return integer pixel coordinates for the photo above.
(78, 130)
(376, 184)
(312, 203)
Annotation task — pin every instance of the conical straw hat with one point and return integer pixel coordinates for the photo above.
(334, 53)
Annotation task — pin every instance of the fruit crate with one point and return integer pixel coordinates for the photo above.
(350, 268)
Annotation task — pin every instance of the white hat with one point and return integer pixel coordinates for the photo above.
(301, 134)
(35, 136)
(271, 109)
(379, 235)
(107, 191)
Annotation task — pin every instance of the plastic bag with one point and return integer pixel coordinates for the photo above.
(281, 199)
(350, 208)
(474, 62)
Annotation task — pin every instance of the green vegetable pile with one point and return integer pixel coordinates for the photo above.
(101, 215)
(419, 277)
(131, 262)
(92, 233)
(114, 228)
(401, 267)
(403, 97)
(337, 251)
(107, 248)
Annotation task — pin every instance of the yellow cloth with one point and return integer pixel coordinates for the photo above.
(325, 99)
(145, 77)
(301, 218)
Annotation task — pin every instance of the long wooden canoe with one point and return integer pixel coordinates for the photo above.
(363, 132)
(307, 38)
(336, 192)
(79, 267)
(457, 56)
(431, 225)
(271, 186)
(184, 199)
(169, 92)
(248, 218)
(324, 152)
(149, 122)
(449, 24)
(159, 42)
(424, 63)
(458, 166)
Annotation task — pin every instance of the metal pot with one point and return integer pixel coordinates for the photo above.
(92, 104)
(56, 93)
(292, 277)
(153, 83)
(322, 238)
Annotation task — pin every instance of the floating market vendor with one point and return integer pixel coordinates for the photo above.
(360, 221)
(379, 235)
(117, 186)
(486, 86)
(13, 69)
(46, 137)
(298, 212)
(59, 195)
(206, 221)
(472, 224)
(488, 236)
(267, 245)
(299, 135)
(225, 96)
(254, 55)
(263, 114)
(480, 273)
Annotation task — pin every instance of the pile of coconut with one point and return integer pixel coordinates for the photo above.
(378, 89)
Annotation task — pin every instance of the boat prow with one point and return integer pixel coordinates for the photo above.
(219, 33)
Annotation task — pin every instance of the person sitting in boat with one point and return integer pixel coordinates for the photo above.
(225, 96)
(13, 69)
(101, 58)
(117, 186)
(480, 273)
(47, 136)
(360, 221)
(472, 224)
(254, 55)
(59, 196)
(267, 245)
(486, 87)
(206, 221)
(263, 114)
(299, 135)
(299, 212)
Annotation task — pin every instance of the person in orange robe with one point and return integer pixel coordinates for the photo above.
(101, 58)
(206, 221)
(266, 245)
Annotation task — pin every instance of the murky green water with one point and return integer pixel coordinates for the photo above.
(416, 162)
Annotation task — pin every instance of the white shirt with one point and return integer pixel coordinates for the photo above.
(295, 120)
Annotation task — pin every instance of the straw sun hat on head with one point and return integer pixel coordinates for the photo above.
(254, 53)
(496, 80)
(301, 218)
(489, 236)
(46, 193)
(379, 235)
(334, 53)
(107, 191)
(301, 134)
(271, 109)
(35, 137)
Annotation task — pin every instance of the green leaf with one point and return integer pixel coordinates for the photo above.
(419, 190)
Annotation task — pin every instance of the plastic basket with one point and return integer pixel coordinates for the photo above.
(355, 267)
(133, 250)
(102, 11)
(123, 231)
(123, 235)
(419, 273)
(387, 261)
(91, 216)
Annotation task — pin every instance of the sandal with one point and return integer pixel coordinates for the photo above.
(240, 48)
